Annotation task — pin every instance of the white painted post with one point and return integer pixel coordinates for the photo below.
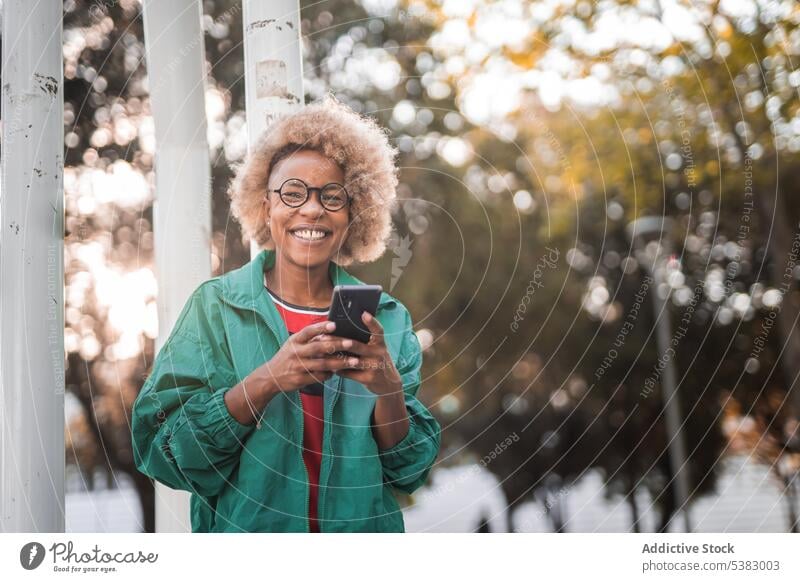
(273, 65)
(32, 457)
(182, 208)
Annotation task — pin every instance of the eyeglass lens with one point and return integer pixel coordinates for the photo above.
(295, 193)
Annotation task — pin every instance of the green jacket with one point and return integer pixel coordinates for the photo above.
(245, 478)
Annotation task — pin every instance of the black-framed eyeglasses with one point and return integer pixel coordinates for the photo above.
(294, 193)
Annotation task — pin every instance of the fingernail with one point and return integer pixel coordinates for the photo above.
(367, 315)
(347, 343)
(330, 326)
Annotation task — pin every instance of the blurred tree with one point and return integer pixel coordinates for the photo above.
(108, 241)
(687, 109)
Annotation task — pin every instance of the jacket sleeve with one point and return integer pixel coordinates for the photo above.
(183, 434)
(406, 464)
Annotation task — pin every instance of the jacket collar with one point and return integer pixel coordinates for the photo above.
(244, 288)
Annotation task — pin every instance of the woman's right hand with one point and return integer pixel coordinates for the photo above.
(305, 358)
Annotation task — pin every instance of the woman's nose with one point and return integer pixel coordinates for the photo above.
(313, 206)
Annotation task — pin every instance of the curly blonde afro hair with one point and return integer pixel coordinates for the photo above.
(356, 143)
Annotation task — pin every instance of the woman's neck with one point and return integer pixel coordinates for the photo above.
(300, 285)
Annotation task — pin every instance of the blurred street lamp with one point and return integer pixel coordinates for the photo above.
(651, 248)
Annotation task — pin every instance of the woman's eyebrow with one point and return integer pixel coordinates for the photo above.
(308, 184)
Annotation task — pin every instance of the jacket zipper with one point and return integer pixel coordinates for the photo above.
(303, 462)
(323, 493)
(302, 431)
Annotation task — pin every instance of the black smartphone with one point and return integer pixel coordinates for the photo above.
(348, 303)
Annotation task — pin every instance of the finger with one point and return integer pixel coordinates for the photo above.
(374, 327)
(310, 331)
(360, 349)
(322, 348)
(334, 363)
(355, 348)
(312, 365)
(315, 365)
(346, 363)
(367, 363)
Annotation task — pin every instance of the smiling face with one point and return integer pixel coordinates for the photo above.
(310, 235)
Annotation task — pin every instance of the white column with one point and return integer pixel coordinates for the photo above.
(273, 64)
(182, 208)
(32, 458)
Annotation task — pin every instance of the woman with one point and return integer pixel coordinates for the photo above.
(247, 405)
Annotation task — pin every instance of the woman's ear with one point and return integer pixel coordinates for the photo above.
(265, 214)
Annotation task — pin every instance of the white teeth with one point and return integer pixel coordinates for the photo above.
(309, 234)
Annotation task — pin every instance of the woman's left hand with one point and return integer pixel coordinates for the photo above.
(372, 364)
